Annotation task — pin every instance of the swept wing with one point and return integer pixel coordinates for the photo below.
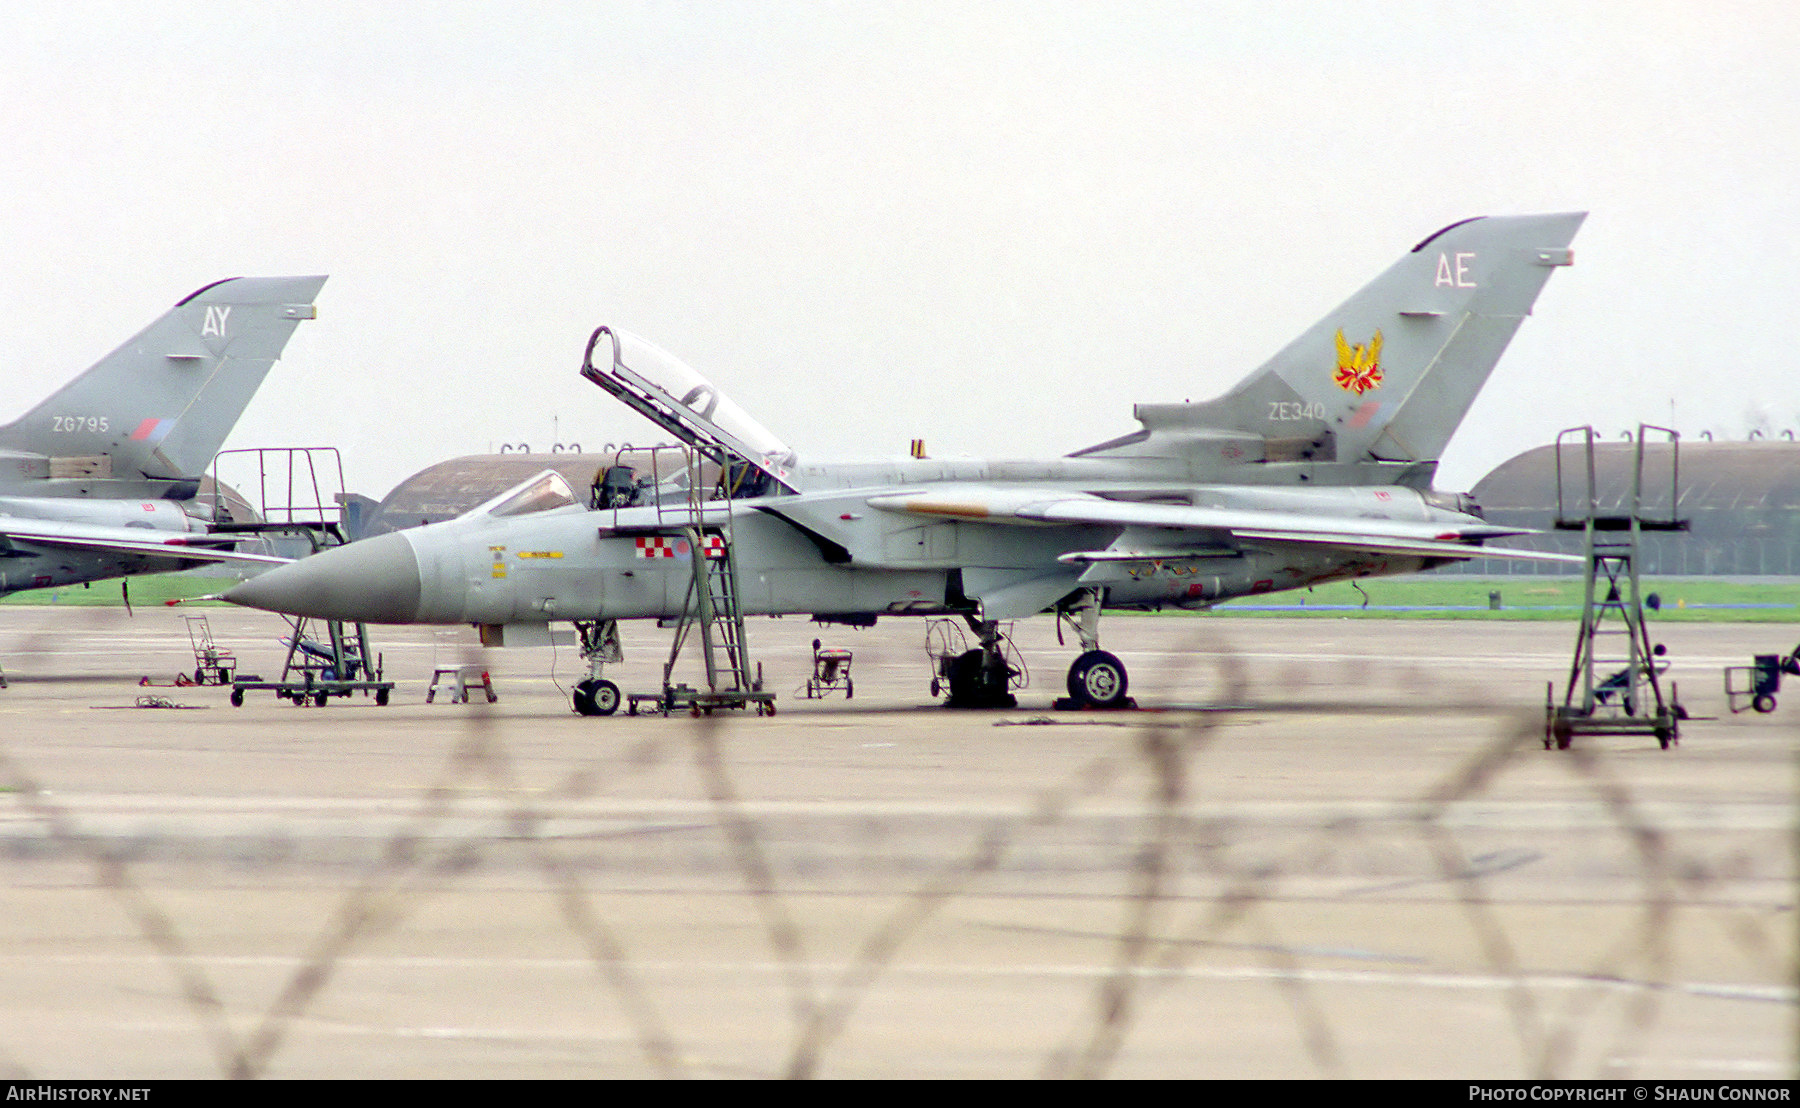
(1203, 531)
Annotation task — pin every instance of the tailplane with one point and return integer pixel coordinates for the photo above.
(1389, 374)
(158, 408)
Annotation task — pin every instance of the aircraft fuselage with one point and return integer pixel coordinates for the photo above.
(828, 553)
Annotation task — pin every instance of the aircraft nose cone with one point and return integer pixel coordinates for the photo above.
(372, 581)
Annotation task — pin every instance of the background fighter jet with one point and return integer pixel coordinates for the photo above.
(99, 480)
(1317, 467)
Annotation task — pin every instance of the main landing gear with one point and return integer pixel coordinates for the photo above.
(983, 677)
(1097, 679)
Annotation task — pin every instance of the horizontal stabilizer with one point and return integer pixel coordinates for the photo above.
(129, 540)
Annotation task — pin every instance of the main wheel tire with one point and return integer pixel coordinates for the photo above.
(1764, 704)
(381, 698)
(1099, 680)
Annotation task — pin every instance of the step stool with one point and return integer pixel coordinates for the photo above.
(460, 680)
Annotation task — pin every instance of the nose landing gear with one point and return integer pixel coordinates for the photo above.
(596, 696)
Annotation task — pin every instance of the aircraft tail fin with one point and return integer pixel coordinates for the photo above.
(160, 406)
(1389, 374)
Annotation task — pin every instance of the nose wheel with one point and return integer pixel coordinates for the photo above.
(596, 697)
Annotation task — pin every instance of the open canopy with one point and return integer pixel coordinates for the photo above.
(670, 393)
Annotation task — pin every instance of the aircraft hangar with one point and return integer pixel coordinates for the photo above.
(1741, 501)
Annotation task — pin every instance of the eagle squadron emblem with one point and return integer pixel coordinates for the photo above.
(1359, 366)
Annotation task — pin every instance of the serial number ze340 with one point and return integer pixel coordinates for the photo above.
(1288, 411)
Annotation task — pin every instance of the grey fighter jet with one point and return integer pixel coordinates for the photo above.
(1317, 467)
(100, 480)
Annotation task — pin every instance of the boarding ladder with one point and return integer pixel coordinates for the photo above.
(1615, 685)
(712, 608)
(704, 521)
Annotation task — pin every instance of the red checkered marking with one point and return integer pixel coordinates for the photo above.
(672, 546)
(660, 546)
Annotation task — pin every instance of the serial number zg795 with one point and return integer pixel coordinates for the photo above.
(71, 424)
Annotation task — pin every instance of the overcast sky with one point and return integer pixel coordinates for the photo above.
(994, 226)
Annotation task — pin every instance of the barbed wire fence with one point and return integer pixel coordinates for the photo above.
(1185, 887)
